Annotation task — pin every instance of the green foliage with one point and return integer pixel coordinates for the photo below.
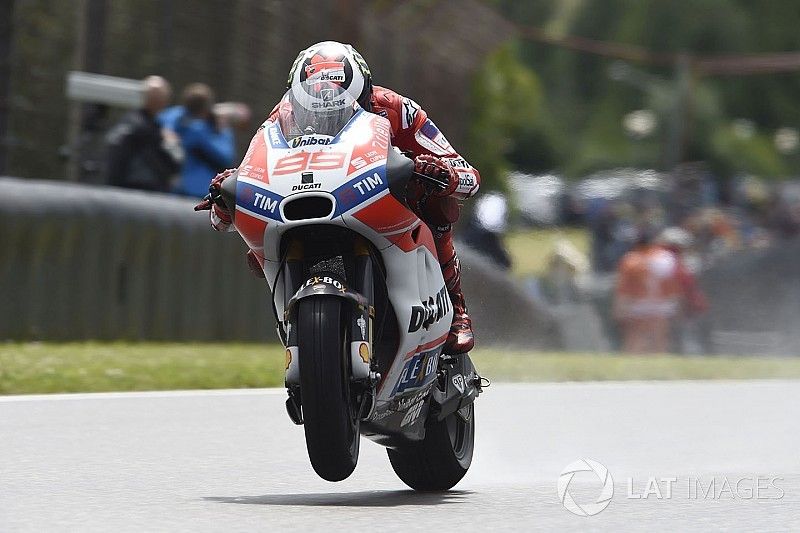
(755, 155)
(505, 100)
(41, 55)
(579, 126)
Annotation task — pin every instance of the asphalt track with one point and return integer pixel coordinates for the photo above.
(232, 461)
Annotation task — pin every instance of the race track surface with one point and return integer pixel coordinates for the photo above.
(232, 461)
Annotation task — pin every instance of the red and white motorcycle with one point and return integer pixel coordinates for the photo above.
(359, 297)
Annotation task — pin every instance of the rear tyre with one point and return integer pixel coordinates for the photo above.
(440, 460)
(330, 423)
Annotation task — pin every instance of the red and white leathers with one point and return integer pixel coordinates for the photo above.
(414, 132)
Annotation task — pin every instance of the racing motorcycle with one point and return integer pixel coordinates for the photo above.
(358, 294)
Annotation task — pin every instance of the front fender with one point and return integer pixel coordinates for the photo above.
(360, 348)
(323, 286)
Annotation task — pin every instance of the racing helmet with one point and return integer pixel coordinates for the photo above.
(327, 64)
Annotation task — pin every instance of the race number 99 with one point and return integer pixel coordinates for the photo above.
(309, 161)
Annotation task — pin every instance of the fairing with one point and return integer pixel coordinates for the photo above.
(349, 169)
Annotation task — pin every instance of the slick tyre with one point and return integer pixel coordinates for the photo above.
(440, 460)
(331, 426)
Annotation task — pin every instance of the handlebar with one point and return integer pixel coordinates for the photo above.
(213, 197)
(434, 182)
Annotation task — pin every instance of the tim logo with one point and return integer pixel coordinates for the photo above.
(264, 202)
(370, 183)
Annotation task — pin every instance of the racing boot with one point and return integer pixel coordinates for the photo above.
(461, 338)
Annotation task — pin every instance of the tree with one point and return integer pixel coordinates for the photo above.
(584, 107)
(505, 102)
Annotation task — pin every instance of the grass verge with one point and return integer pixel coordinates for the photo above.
(559, 366)
(94, 367)
(27, 368)
(531, 249)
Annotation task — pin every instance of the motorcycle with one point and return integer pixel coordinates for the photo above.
(358, 294)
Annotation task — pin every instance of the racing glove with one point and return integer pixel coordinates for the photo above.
(439, 170)
(220, 214)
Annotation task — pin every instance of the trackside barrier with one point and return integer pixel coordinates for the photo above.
(755, 301)
(87, 262)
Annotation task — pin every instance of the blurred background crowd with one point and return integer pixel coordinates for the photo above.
(171, 149)
(627, 149)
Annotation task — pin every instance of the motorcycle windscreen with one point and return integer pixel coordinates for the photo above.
(315, 107)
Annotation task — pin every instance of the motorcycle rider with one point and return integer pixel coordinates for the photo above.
(412, 132)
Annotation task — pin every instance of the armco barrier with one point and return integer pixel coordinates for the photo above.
(755, 301)
(87, 262)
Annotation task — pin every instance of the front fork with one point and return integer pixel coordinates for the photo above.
(363, 368)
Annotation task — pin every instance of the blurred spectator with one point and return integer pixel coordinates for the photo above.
(646, 296)
(207, 140)
(691, 337)
(235, 114)
(487, 227)
(560, 282)
(140, 154)
(613, 234)
(784, 211)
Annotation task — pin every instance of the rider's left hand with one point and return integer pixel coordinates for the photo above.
(438, 169)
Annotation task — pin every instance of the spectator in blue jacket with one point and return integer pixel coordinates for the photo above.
(207, 143)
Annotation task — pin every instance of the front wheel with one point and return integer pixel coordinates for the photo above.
(330, 423)
(442, 458)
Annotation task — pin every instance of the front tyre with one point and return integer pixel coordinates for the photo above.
(331, 426)
(442, 458)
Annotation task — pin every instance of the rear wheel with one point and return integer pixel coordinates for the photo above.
(330, 421)
(442, 458)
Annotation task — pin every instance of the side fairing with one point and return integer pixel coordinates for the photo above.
(350, 170)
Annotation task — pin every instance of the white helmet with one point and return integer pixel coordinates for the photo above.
(325, 71)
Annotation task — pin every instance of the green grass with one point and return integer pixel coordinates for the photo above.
(531, 249)
(510, 366)
(93, 367)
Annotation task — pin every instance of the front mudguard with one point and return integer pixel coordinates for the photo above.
(360, 348)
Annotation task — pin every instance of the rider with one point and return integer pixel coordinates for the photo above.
(412, 131)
